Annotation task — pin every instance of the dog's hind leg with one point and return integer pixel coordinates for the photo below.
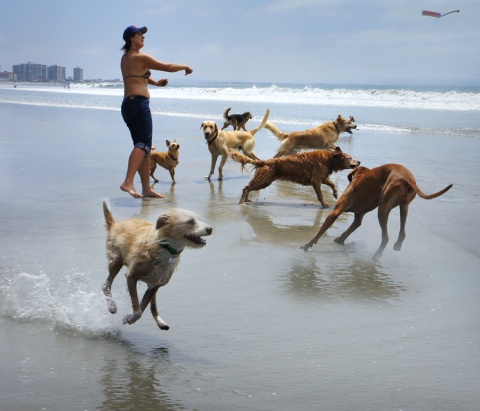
(383, 213)
(263, 177)
(402, 234)
(152, 170)
(114, 267)
(357, 222)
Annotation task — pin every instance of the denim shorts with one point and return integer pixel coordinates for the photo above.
(136, 114)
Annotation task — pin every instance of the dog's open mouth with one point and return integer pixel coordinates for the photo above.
(196, 239)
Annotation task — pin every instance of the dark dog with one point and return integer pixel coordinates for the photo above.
(385, 187)
(167, 160)
(320, 137)
(238, 121)
(311, 168)
(151, 254)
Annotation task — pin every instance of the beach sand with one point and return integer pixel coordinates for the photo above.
(256, 323)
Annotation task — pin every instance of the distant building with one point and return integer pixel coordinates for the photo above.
(56, 73)
(8, 76)
(30, 72)
(77, 74)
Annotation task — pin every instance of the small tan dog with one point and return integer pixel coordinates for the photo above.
(320, 137)
(151, 254)
(385, 187)
(167, 160)
(221, 142)
(237, 121)
(309, 169)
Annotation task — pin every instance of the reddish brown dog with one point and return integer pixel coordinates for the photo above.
(385, 187)
(311, 168)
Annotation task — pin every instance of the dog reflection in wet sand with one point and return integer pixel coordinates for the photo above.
(151, 254)
(385, 187)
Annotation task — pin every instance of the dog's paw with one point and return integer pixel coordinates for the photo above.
(112, 307)
(132, 318)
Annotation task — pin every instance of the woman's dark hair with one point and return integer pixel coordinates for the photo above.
(126, 47)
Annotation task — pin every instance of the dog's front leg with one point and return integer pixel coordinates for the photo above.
(220, 167)
(318, 191)
(153, 308)
(172, 174)
(137, 312)
(212, 166)
(331, 184)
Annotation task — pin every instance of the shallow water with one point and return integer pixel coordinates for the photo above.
(255, 322)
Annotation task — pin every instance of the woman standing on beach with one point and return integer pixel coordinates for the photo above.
(136, 113)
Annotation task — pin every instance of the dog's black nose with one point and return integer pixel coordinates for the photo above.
(209, 230)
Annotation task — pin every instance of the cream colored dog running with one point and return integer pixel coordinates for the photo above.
(221, 142)
(151, 254)
(320, 137)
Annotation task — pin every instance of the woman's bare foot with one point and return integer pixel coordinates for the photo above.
(152, 193)
(130, 190)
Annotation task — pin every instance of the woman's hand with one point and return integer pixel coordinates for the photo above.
(188, 71)
(162, 83)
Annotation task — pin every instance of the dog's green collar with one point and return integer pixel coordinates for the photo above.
(168, 247)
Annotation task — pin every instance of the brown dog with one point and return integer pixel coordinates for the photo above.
(385, 187)
(167, 160)
(221, 142)
(151, 254)
(238, 121)
(320, 137)
(311, 168)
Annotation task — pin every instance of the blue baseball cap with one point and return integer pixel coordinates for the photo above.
(131, 31)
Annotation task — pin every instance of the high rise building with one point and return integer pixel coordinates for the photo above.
(56, 73)
(77, 74)
(30, 72)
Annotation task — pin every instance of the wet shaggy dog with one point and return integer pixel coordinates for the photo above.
(221, 142)
(238, 121)
(151, 254)
(323, 136)
(385, 187)
(311, 168)
(167, 160)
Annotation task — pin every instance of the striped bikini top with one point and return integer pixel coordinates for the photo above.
(146, 75)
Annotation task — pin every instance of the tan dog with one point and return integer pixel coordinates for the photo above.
(221, 142)
(385, 187)
(323, 136)
(167, 160)
(151, 253)
(311, 168)
(238, 121)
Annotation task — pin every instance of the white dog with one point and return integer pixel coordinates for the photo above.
(151, 254)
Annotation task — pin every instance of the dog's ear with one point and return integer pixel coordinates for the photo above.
(162, 221)
(351, 175)
(216, 128)
(338, 150)
(340, 118)
(352, 119)
(168, 143)
(202, 125)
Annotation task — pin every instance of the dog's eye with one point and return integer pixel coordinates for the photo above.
(191, 221)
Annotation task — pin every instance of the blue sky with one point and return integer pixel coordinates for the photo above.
(312, 41)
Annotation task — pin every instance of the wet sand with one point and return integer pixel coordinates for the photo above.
(255, 322)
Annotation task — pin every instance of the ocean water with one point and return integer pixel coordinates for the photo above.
(256, 324)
